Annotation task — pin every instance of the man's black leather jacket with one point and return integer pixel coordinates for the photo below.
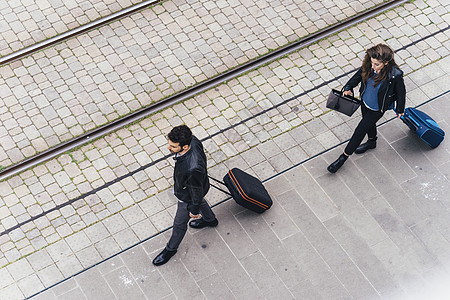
(391, 90)
(190, 176)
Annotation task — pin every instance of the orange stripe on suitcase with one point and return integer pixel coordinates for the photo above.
(241, 191)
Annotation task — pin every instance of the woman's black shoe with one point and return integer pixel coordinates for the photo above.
(370, 144)
(337, 164)
(163, 257)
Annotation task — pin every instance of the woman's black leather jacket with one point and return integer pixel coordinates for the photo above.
(190, 176)
(391, 90)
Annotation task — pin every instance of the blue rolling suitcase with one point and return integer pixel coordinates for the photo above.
(424, 126)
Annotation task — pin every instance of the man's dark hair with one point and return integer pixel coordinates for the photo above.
(180, 134)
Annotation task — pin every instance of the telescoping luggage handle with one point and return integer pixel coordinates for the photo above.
(410, 122)
(222, 190)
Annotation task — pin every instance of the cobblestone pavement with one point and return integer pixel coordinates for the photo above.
(120, 214)
(26, 22)
(90, 80)
(378, 229)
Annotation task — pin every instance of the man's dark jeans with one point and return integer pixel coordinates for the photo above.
(181, 220)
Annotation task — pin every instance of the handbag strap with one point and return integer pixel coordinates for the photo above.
(350, 98)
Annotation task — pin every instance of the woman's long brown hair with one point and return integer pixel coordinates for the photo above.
(382, 53)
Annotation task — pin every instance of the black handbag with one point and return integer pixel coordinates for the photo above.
(343, 104)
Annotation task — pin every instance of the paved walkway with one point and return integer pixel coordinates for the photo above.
(95, 78)
(25, 23)
(119, 183)
(378, 229)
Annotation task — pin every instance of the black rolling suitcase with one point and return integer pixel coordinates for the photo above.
(247, 190)
(424, 126)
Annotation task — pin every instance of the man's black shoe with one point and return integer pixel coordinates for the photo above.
(200, 223)
(163, 257)
(370, 144)
(337, 164)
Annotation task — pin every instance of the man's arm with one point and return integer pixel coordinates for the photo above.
(194, 186)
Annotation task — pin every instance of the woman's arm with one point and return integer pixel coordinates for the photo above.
(400, 91)
(353, 82)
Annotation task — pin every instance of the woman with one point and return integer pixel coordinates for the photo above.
(381, 85)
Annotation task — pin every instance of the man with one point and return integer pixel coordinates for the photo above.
(191, 184)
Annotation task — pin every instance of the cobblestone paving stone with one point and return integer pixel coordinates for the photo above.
(24, 22)
(95, 227)
(63, 91)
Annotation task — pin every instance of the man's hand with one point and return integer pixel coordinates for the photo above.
(195, 216)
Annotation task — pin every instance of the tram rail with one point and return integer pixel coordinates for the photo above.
(183, 95)
(94, 191)
(76, 31)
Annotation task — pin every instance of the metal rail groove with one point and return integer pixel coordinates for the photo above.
(191, 92)
(77, 31)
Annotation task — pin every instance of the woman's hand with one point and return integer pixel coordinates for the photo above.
(399, 116)
(346, 93)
